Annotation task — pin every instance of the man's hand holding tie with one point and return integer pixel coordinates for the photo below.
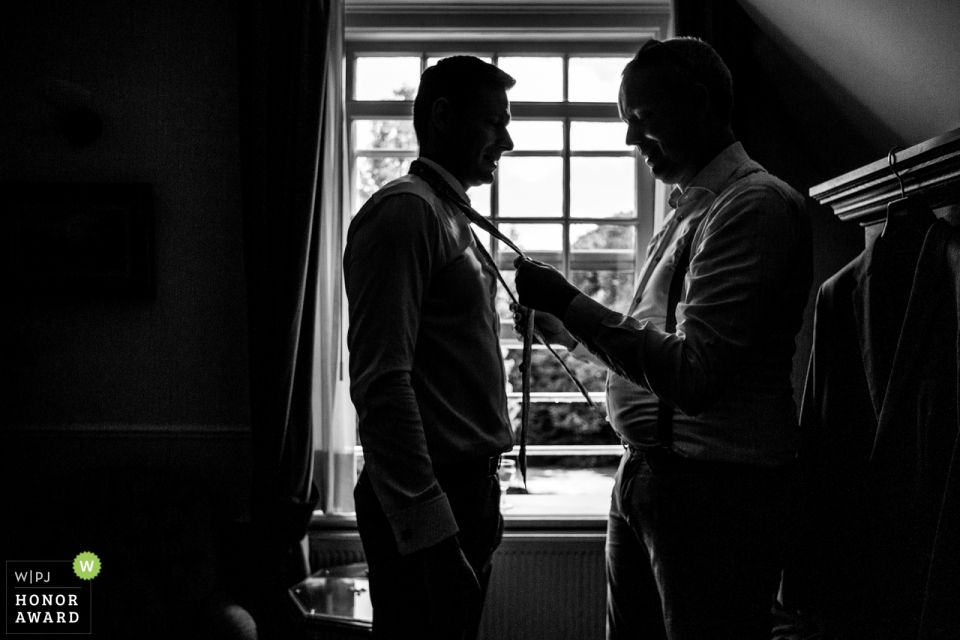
(541, 287)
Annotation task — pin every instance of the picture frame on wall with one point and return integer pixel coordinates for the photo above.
(77, 240)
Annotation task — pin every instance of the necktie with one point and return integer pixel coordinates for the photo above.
(444, 190)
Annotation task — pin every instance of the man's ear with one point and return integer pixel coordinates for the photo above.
(441, 112)
(700, 99)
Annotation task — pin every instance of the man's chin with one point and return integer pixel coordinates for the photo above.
(663, 174)
(480, 179)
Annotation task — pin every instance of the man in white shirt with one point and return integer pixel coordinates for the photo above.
(699, 384)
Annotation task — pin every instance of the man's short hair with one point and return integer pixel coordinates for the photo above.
(695, 59)
(459, 79)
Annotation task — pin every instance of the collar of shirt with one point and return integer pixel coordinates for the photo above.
(713, 177)
(446, 175)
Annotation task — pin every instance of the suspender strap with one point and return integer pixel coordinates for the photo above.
(665, 409)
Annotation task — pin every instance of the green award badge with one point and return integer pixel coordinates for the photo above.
(86, 565)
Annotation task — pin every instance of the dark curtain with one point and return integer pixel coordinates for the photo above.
(285, 67)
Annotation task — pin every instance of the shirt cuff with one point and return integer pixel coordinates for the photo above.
(583, 317)
(580, 351)
(423, 525)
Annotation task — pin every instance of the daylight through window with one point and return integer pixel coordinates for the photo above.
(571, 194)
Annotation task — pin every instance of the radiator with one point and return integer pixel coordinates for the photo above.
(545, 585)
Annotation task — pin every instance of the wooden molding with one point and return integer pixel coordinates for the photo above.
(930, 170)
(516, 22)
(504, 6)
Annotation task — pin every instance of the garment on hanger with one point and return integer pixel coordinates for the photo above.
(879, 421)
(941, 615)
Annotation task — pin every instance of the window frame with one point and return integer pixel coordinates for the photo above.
(646, 193)
(375, 29)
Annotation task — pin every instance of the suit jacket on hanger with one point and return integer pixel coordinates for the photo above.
(879, 418)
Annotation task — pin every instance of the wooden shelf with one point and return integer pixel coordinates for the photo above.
(930, 169)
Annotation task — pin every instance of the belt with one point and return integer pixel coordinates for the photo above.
(662, 458)
(469, 469)
(666, 459)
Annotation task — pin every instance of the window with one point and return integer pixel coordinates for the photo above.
(571, 194)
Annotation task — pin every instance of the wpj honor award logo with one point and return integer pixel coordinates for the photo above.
(51, 596)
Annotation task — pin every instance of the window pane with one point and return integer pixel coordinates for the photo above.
(593, 237)
(373, 173)
(538, 79)
(602, 247)
(384, 134)
(610, 288)
(595, 79)
(534, 240)
(480, 199)
(484, 238)
(530, 187)
(537, 135)
(546, 375)
(504, 300)
(432, 60)
(598, 136)
(383, 78)
(602, 187)
(582, 481)
(534, 237)
(562, 422)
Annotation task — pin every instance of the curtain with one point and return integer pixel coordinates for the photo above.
(290, 106)
(335, 418)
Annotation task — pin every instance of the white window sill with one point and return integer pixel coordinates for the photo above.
(562, 507)
(519, 512)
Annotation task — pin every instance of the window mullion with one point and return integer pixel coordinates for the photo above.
(566, 197)
(385, 153)
(495, 195)
(380, 110)
(645, 195)
(566, 77)
(566, 168)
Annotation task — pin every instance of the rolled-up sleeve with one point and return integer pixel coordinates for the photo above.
(743, 252)
(391, 253)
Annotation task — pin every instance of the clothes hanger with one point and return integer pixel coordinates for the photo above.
(905, 210)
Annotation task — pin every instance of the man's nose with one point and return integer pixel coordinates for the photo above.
(506, 142)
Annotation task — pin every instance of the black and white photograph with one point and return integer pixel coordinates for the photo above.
(480, 319)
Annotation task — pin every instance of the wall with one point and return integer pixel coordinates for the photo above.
(827, 86)
(162, 380)
(896, 58)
